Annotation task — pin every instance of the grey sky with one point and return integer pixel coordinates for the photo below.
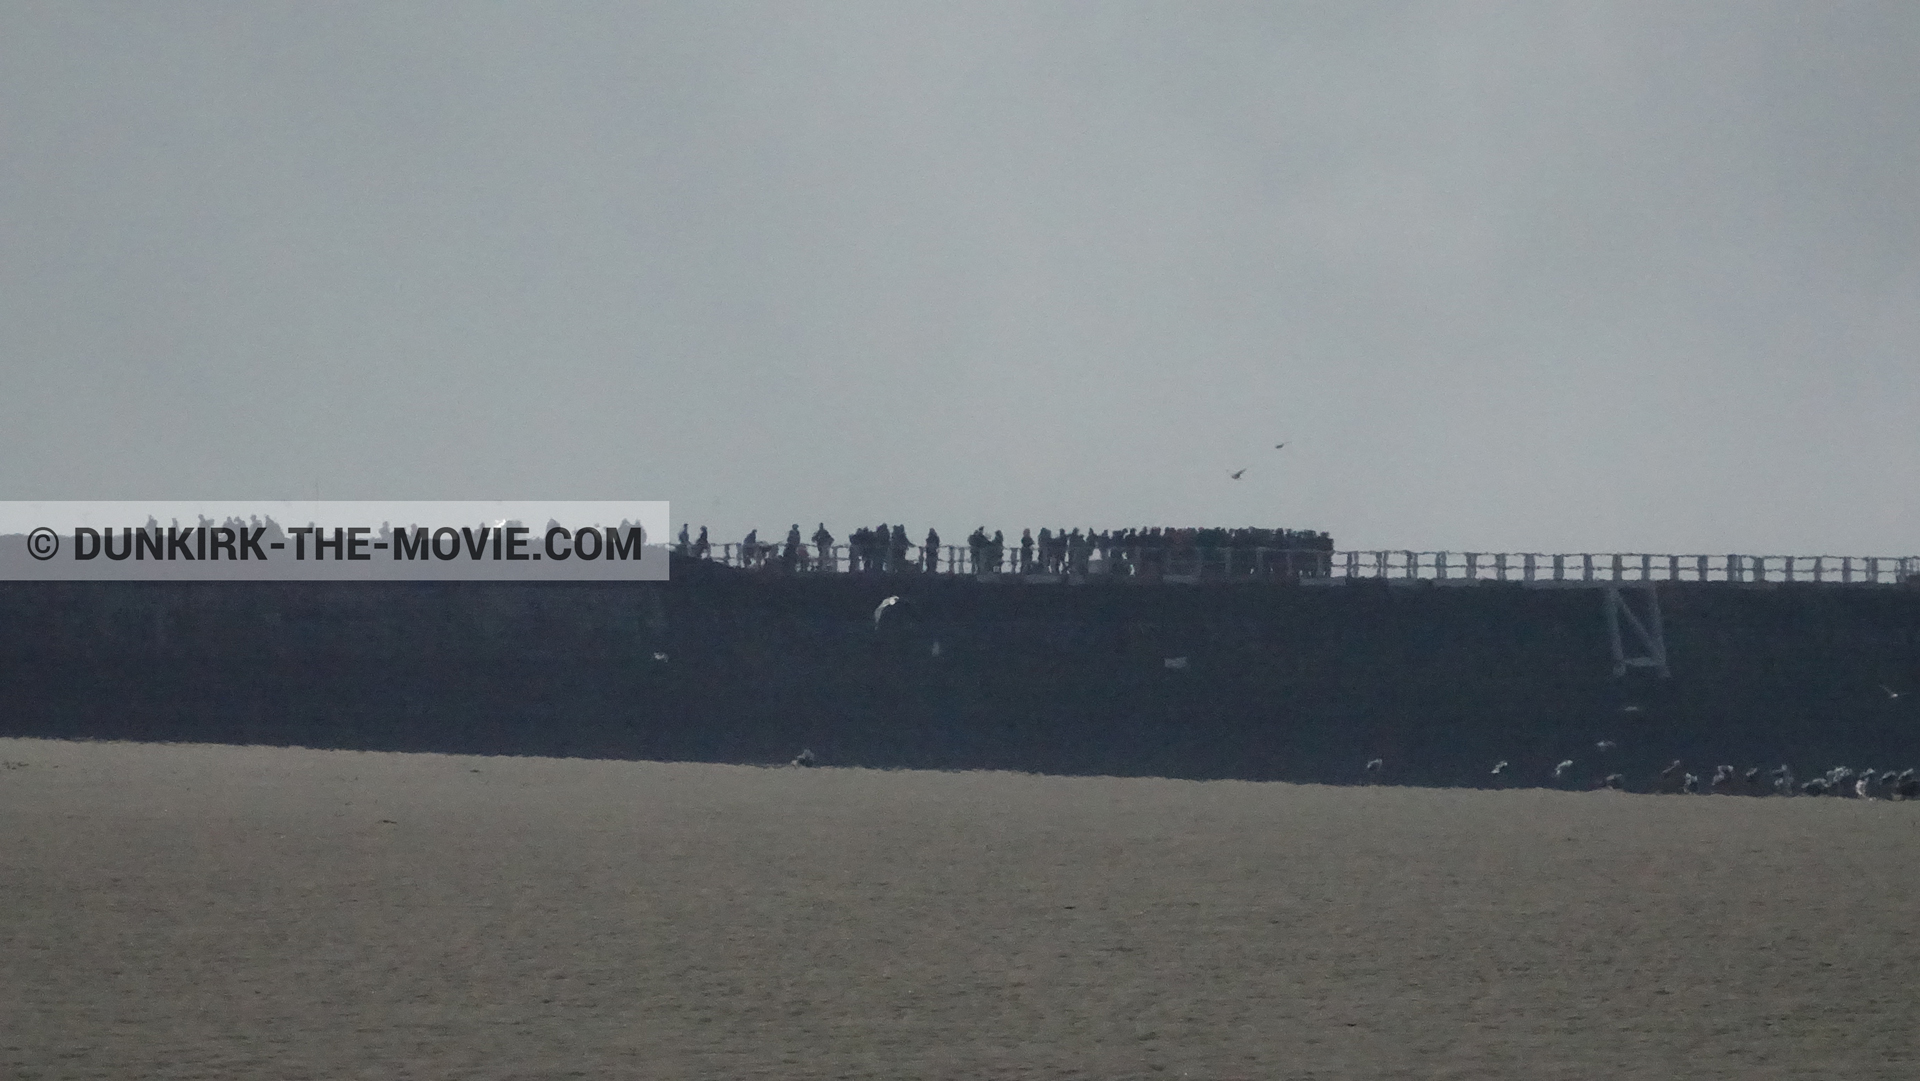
(1580, 277)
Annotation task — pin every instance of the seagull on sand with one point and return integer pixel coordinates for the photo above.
(1235, 475)
(804, 758)
(884, 605)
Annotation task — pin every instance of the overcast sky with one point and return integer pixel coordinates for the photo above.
(1503, 277)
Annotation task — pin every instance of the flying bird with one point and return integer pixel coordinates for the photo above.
(1629, 709)
(1605, 745)
(1499, 767)
(1277, 446)
(1235, 475)
(1560, 770)
(1891, 693)
(884, 605)
(1374, 765)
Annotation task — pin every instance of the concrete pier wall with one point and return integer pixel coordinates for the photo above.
(1280, 681)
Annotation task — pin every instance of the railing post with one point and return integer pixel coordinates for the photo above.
(1439, 565)
(1586, 566)
(1703, 568)
(1618, 573)
(1559, 567)
(1528, 570)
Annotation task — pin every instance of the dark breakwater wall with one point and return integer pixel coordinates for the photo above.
(1281, 682)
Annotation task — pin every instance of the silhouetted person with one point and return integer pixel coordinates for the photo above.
(997, 550)
(1026, 551)
(897, 549)
(685, 546)
(790, 554)
(930, 552)
(859, 545)
(823, 542)
(702, 549)
(749, 547)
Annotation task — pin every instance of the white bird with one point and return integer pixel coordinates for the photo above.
(1629, 709)
(804, 758)
(884, 605)
(1605, 745)
(1500, 767)
(1561, 769)
(1235, 475)
(660, 657)
(1891, 693)
(1374, 765)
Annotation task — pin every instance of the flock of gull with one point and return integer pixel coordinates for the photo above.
(1863, 782)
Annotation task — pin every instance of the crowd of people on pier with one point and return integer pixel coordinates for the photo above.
(1133, 551)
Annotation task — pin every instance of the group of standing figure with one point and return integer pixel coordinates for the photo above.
(887, 549)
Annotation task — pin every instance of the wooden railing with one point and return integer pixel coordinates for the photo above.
(1624, 567)
(1254, 564)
